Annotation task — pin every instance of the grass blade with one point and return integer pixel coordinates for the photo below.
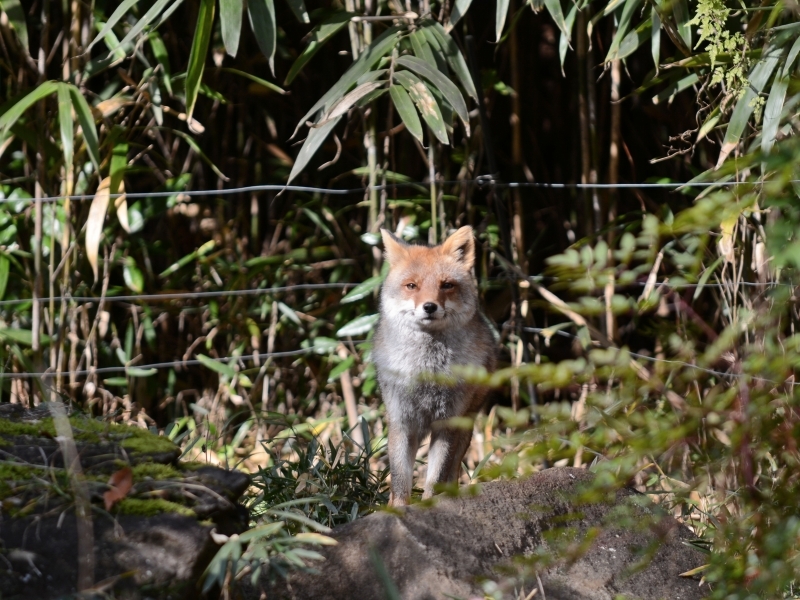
(230, 19)
(146, 19)
(628, 11)
(258, 80)
(118, 13)
(321, 34)
(197, 56)
(316, 136)
(65, 123)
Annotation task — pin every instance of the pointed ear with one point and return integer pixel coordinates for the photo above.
(394, 247)
(461, 246)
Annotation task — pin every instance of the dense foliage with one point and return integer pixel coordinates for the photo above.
(647, 331)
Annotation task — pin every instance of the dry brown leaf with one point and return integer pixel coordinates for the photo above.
(121, 483)
(121, 204)
(94, 224)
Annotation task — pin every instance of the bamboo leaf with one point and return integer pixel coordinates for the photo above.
(631, 42)
(442, 83)
(358, 326)
(258, 80)
(5, 269)
(405, 108)
(137, 372)
(262, 20)
(455, 59)
(655, 36)
(709, 124)
(119, 164)
(459, 10)
(160, 52)
(438, 51)
(316, 136)
(22, 336)
(680, 10)
(299, 9)
(319, 36)
(65, 123)
(230, 20)
(197, 56)
(217, 366)
(118, 13)
(421, 48)
(758, 78)
(363, 289)
(501, 10)
(704, 277)
(146, 19)
(13, 114)
(189, 140)
(381, 46)
(628, 11)
(563, 42)
(16, 17)
(341, 107)
(677, 84)
(86, 121)
(554, 8)
(94, 223)
(426, 103)
(772, 112)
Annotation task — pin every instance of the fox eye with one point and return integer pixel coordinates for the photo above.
(447, 285)
(411, 286)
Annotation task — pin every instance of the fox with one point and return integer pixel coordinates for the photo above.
(429, 321)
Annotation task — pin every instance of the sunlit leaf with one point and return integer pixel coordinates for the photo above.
(442, 83)
(65, 123)
(363, 289)
(115, 17)
(217, 366)
(22, 336)
(269, 85)
(94, 223)
(133, 276)
(501, 11)
(144, 21)
(86, 121)
(628, 11)
(16, 17)
(554, 8)
(460, 8)
(455, 59)
(405, 108)
(262, 19)
(10, 117)
(5, 268)
(425, 102)
(160, 52)
(358, 326)
(199, 53)
(230, 19)
(299, 9)
(421, 48)
(316, 136)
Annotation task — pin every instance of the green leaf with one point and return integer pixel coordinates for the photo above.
(230, 20)
(554, 8)
(116, 381)
(318, 222)
(363, 289)
(189, 140)
(86, 121)
(709, 124)
(421, 48)
(316, 136)
(5, 268)
(258, 80)
(215, 365)
(198, 54)
(425, 102)
(341, 368)
(704, 277)
(758, 78)
(459, 10)
(628, 11)
(381, 46)
(13, 114)
(455, 59)
(655, 36)
(341, 107)
(133, 277)
(438, 51)
(358, 326)
(563, 42)
(501, 10)
(442, 83)
(118, 13)
(324, 345)
(65, 123)
(146, 19)
(631, 42)
(319, 36)
(137, 372)
(405, 108)
(677, 84)
(201, 251)
(299, 9)
(289, 313)
(680, 10)
(21, 336)
(777, 96)
(160, 52)
(16, 17)
(262, 20)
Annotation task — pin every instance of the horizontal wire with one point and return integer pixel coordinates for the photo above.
(480, 181)
(185, 295)
(161, 365)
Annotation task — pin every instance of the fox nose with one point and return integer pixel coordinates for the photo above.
(429, 307)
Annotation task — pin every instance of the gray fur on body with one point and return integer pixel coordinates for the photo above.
(404, 354)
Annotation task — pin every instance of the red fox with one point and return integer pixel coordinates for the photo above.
(429, 322)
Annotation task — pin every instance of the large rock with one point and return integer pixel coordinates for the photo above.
(154, 543)
(444, 551)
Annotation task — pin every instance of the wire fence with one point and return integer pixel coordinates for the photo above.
(476, 182)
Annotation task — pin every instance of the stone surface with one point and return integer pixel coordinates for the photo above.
(155, 543)
(442, 552)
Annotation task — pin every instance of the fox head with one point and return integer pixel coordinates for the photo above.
(430, 288)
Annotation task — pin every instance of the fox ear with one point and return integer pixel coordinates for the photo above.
(461, 246)
(395, 248)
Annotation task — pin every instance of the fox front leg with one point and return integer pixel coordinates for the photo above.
(403, 447)
(448, 447)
